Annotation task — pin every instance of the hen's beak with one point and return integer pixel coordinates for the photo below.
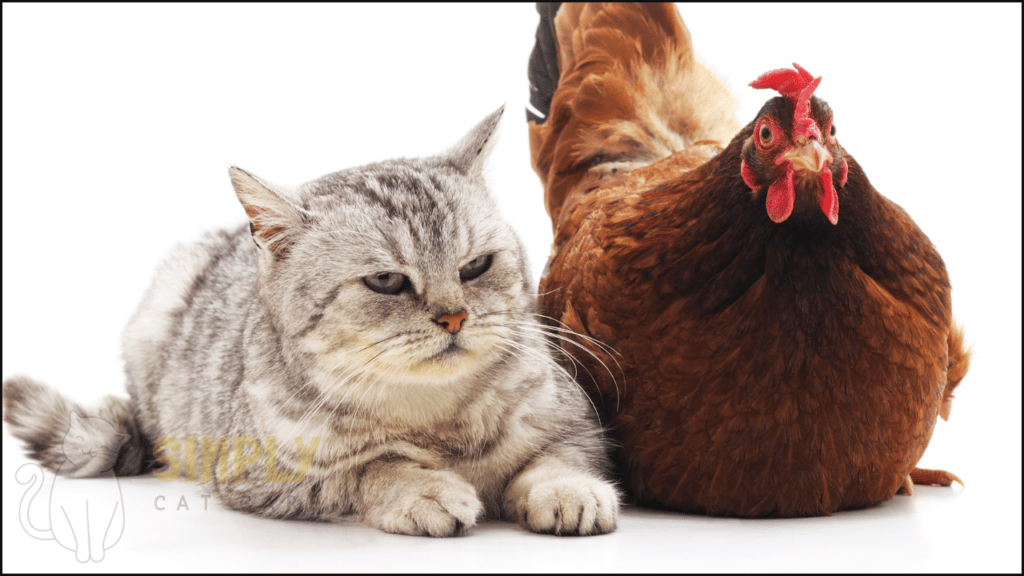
(812, 156)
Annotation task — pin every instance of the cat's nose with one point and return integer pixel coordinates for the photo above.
(452, 322)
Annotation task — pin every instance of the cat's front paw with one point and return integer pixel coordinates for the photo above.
(441, 503)
(574, 506)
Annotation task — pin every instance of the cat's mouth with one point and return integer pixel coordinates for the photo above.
(453, 350)
(423, 359)
(452, 357)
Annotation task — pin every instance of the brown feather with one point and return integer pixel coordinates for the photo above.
(959, 363)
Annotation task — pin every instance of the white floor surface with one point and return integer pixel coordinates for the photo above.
(937, 529)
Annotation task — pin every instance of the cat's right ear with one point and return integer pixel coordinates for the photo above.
(272, 219)
(469, 155)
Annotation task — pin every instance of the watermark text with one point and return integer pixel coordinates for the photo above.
(183, 458)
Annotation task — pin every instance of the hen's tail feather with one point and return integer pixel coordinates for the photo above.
(41, 417)
(959, 363)
(543, 71)
(934, 477)
(627, 92)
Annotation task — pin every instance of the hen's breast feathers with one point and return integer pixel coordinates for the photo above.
(644, 254)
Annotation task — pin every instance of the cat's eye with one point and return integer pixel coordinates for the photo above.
(476, 267)
(386, 282)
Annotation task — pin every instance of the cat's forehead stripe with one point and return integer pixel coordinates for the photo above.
(428, 213)
(370, 190)
(421, 212)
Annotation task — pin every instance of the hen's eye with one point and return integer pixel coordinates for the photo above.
(475, 268)
(765, 134)
(832, 131)
(386, 282)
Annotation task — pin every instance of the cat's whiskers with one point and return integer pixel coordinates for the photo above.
(551, 332)
(558, 366)
(562, 334)
(544, 342)
(578, 364)
(549, 344)
(564, 328)
(395, 347)
(546, 359)
(554, 347)
(552, 291)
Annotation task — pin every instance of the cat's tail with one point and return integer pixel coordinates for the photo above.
(42, 417)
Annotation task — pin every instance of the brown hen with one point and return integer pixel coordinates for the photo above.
(782, 332)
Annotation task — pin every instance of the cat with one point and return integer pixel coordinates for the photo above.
(366, 344)
(86, 527)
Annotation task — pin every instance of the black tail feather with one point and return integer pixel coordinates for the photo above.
(543, 71)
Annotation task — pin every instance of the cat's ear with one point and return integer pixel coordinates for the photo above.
(272, 220)
(469, 154)
(74, 418)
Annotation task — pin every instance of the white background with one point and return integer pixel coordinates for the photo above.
(119, 124)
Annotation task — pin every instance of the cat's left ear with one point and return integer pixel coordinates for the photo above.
(272, 219)
(470, 153)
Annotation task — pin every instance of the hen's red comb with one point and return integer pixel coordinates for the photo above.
(797, 85)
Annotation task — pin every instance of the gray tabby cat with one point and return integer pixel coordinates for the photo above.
(367, 344)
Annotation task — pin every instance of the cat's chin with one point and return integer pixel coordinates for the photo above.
(451, 364)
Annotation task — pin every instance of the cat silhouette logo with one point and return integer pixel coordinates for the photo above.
(88, 526)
